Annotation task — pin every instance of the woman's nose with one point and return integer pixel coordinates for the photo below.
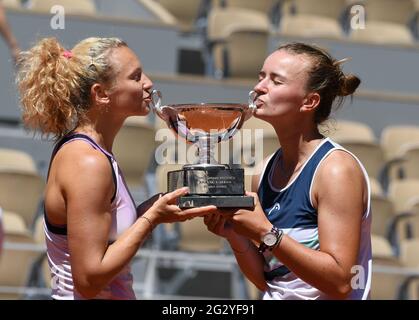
(260, 87)
(148, 84)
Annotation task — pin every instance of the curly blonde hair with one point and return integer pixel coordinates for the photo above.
(54, 85)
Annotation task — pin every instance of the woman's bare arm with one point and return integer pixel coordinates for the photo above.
(7, 34)
(88, 187)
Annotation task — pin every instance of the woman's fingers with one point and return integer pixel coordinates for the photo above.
(211, 223)
(143, 207)
(198, 211)
(216, 223)
(173, 208)
(208, 218)
(219, 226)
(228, 212)
(254, 195)
(171, 197)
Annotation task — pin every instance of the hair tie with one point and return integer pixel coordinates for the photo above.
(341, 61)
(67, 54)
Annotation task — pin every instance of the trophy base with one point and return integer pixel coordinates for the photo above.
(218, 201)
(221, 187)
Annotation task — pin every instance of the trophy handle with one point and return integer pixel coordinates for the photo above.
(247, 114)
(252, 99)
(156, 98)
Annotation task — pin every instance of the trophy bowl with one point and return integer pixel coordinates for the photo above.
(206, 124)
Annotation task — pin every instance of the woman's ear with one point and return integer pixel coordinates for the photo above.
(99, 94)
(311, 102)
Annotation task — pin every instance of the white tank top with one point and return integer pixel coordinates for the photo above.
(123, 216)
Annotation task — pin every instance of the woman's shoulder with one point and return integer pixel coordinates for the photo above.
(340, 164)
(339, 177)
(79, 157)
(78, 169)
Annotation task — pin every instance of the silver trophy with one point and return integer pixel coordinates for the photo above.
(206, 124)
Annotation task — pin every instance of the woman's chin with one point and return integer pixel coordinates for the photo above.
(258, 113)
(145, 110)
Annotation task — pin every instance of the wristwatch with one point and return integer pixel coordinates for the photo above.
(271, 239)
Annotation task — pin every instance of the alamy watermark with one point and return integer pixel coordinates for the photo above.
(58, 18)
(245, 149)
(57, 273)
(357, 17)
(358, 279)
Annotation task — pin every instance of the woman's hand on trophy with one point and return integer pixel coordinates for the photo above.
(165, 210)
(217, 223)
(250, 223)
(144, 206)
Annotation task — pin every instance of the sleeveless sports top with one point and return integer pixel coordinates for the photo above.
(291, 210)
(123, 216)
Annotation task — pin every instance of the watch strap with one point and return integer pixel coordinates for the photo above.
(279, 234)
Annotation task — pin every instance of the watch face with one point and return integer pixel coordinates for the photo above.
(270, 239)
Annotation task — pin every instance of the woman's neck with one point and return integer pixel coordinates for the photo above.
(103, 133)
(295, 151)
(298, 146)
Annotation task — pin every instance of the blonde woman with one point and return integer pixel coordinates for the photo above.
(93, 229)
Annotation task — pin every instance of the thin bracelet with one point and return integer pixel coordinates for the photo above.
(279, 240)
(148, 220)
(244, 251)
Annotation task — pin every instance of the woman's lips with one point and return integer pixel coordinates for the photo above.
(259, 103)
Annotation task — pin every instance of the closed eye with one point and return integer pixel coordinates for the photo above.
(137, 74)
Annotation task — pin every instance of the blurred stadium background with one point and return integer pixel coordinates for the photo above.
(211, 50)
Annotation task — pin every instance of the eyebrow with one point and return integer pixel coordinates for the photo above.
(137, 70)
(273, 74)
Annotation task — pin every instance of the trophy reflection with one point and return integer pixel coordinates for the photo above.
(206, 124)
